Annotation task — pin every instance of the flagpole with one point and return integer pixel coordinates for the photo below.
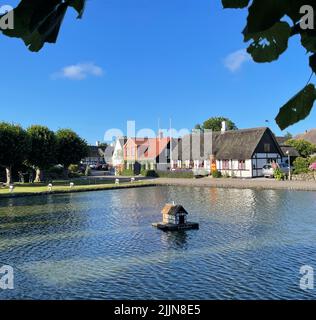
(170, 135)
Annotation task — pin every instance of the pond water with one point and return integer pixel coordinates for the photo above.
(101, 245)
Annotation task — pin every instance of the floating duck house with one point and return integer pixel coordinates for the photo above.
(174, 217)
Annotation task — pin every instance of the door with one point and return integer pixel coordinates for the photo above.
(181, 220)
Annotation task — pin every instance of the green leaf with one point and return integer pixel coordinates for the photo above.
(235, 4)
(293, 8)
(308, 42)
(312, 62)
(298, 108)
(38, 22)
(264, 14)
(79, 6)
(268, 45)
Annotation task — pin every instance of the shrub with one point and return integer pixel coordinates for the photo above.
(278, 174)
(312, 160)
(127, 172)
(75, 175)
(301, 165)
(176, 174)
(226, 175)
(73, 168)
(149, 173)
(54, 173)
(216, 174)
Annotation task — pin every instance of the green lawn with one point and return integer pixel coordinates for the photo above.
(63, 186)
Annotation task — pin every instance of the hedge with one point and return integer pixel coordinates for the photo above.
(149, 173)
(127, 172)
(176, 174)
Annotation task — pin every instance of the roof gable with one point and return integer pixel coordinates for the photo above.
(172, 209)
(148, 148)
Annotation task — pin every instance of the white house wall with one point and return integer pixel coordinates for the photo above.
(233, 169)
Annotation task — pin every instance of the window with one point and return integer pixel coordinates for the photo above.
(267, 147)
(241, 165)
(225, 164)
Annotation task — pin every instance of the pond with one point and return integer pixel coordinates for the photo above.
(101, 245)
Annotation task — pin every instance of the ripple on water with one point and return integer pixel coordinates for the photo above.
(100, 245)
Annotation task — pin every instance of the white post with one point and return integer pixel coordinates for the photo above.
(289, 160)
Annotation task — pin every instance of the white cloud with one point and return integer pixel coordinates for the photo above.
(235, 60)
(79, 71)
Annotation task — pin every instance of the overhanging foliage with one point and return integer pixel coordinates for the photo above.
(38, 22)
(270, 25)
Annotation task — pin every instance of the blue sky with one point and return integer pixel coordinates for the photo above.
(143, 60)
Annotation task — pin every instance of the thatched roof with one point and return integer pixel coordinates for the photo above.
(172, 209)
(282, 140)
(234, 144)
(237, 144)
(308, 136)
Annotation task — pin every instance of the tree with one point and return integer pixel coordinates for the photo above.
(270, 25)
(103, 145)
(38, 22)
(14, 147)
(305, 148)
(70, 148)
(215, 124)
(288, 136)
(43, 149)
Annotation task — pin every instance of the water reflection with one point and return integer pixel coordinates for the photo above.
(251, 244)
(174, 240)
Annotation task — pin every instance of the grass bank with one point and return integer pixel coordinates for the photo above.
(24, 190)
(259, 183)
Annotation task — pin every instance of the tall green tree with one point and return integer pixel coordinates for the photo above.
(43, 149)
(14, 147)
(305, 148)
(270, 25)
(215, 124)
(71, 149)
